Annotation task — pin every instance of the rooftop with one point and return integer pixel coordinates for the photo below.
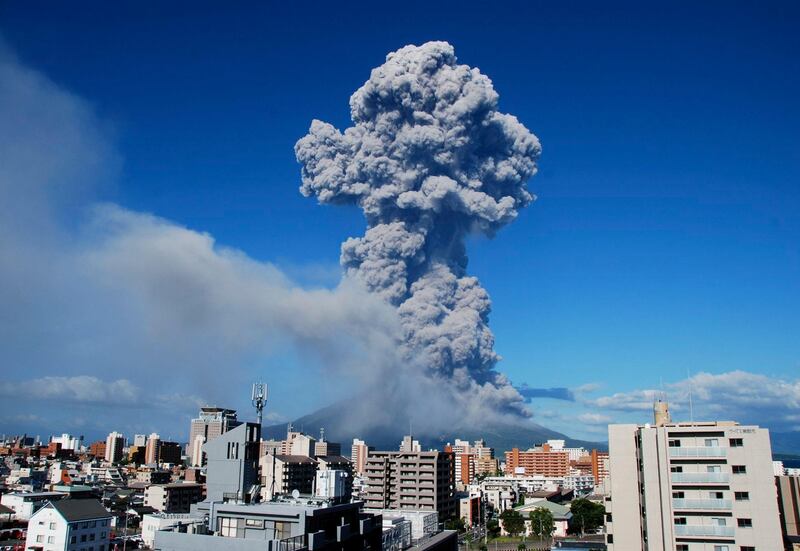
(74, 510)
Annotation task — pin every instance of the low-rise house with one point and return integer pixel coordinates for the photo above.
(69, 525)
(561, 516)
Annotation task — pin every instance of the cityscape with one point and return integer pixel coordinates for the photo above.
(230, 488)
(418, 276)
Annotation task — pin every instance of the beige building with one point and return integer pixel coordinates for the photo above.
(152, 449)
(210, 423)
(411, 480)
(358, 455)
(691, 487)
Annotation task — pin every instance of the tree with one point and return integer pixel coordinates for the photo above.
(586, 516)
(493, 528)
(513, 522)
(521, 547)
(541, 522)
(455, 524)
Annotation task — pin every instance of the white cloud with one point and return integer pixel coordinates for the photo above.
(93, 391)
(735, 395)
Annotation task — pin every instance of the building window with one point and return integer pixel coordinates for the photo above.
(741, 496)
(744, 522)
(254, 523)
(736, 442)
(674, 443)
(712, 443)
(738, 469)
(682, 547)
(719, 521)
(72, 539)
(51, 539)
(715, 495)
(52, 526)
(680, 520)
(228, 527)
(713, 469)
(722, 548)
(678, 495)
(676, 469)
(40, 539)
(747, 548)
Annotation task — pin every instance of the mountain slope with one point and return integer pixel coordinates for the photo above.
(502, 437)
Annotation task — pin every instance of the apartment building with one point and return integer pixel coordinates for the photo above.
(544, 461)
(282, 474)
(358, 455)
(173, 498)
(691, 487)
(411, 480)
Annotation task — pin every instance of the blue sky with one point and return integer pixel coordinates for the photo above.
(665, 235)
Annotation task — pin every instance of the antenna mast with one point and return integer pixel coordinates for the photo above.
(259, 399)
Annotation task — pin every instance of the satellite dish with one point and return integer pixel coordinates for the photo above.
(295, 494)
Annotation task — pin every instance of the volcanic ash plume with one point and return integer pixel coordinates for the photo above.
(429, 159)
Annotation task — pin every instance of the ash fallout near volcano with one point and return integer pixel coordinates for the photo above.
(429, 159)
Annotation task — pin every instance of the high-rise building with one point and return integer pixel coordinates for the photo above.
(358, 455)
(691, 486)
(324, 448)
(543, 461)
(210, 423)
(411, 480)
(169, 452)
(599, 466)
(152, 449)
(98, 449)
(114, 444)
(410, 445)
(139, 440)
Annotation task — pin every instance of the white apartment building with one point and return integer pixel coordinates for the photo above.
(69, 525)
(691, 487)
(114, 444)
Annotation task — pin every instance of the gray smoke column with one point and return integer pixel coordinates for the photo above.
(430, 160)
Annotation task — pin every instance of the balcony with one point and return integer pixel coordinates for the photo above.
(700, 478)
(705, 451)
(703, 530)
(705, 504)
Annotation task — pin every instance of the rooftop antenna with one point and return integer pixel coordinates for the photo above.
(259, 398)
(322, 434)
